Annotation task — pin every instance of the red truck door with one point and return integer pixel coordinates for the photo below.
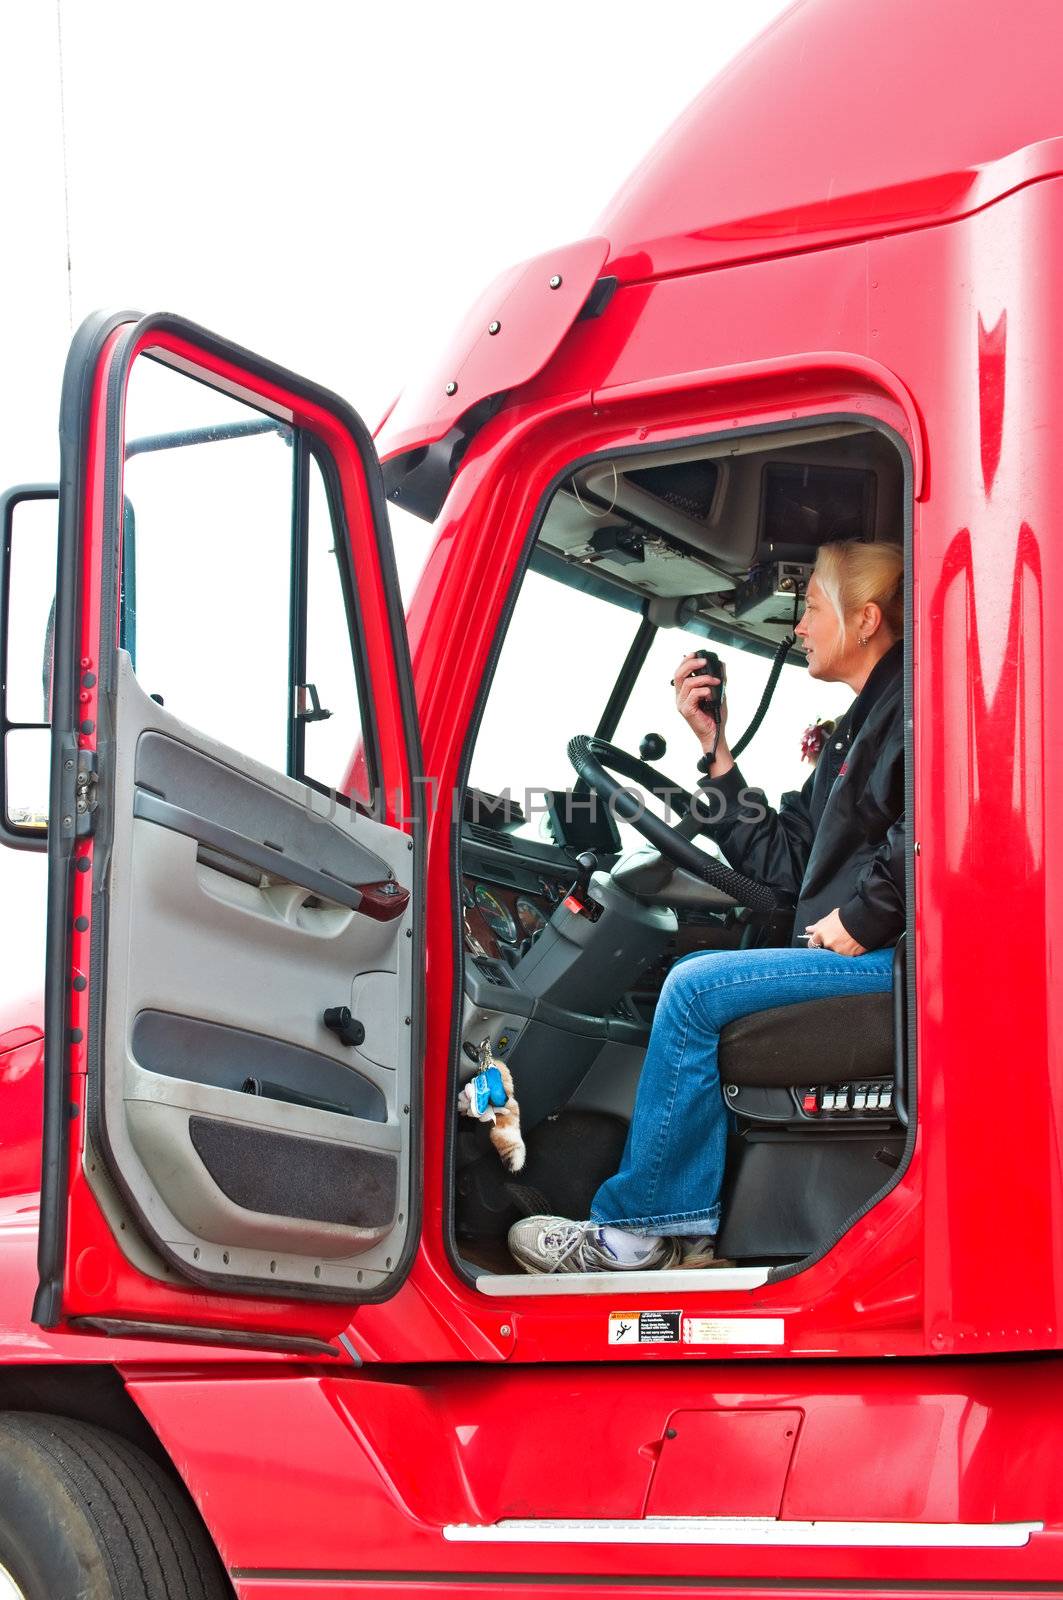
(235, 962)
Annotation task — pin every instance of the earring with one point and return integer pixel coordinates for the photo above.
(861, 641)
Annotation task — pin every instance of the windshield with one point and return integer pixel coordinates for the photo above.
(773, 761)
(561, 656)
(560, 659)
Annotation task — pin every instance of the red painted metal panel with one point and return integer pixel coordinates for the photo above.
(846, 121)
(360, 1475)
(971, 1260)
(531, 307)
(506, 338)
(23, 1344)
(403, 1586)
(723, 1463)
(21, 1072)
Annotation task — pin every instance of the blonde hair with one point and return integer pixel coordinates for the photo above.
(853, 575)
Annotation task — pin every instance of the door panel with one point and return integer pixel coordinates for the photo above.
(198, 1158)
(177, 1046)
(245, 946)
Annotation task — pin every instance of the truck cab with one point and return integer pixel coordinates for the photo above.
(312, 861)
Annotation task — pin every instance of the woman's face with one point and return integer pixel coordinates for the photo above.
(820, 636)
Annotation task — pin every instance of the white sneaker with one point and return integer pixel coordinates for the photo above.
(700, 1251)
(554, 1244)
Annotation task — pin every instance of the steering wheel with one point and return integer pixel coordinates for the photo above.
(595, 760)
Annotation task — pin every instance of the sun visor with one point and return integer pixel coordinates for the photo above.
(505, 340)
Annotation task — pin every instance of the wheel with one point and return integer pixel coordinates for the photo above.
(84, 1515)
(596, 759)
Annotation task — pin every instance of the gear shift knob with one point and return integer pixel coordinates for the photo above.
(587, 864)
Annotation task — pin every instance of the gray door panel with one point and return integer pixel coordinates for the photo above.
(248, 1142)
(253, 1063)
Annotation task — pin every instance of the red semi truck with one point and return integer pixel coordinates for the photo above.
(260, 1330)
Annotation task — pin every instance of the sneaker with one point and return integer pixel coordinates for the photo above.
(554, 1244)
(700, 1252)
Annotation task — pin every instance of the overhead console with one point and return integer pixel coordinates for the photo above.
(728, 529)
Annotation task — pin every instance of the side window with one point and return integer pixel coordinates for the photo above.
(233, 608)
(332, 755)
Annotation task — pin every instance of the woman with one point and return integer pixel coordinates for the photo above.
(837, 848)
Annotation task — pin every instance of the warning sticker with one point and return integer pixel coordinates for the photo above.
(734, 1330)
(644, 1327)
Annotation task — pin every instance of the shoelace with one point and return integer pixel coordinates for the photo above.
(565, 1241)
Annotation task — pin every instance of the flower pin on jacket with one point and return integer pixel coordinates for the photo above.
(814, 738)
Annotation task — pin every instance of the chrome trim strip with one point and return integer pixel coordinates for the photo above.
(623, 1286)
(747, 1531)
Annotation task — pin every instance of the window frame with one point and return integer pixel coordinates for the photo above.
(305, 451)
(911, 467)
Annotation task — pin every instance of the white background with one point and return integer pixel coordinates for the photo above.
(330, 184)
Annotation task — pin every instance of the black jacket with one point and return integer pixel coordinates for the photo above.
(840, 841)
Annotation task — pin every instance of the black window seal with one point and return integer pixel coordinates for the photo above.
(451, 1245)
(374, 804)
(298, 602)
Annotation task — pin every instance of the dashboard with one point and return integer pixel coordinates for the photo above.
(498, 914)
(509, 889)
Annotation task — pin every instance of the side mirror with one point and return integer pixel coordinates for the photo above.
(29, 533)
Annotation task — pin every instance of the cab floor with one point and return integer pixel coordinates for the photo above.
(492, 1255)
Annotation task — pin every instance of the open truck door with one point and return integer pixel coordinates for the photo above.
(235, 961)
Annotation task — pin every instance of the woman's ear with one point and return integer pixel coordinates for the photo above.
(870, 620)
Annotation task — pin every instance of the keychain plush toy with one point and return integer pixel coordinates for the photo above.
(489, 1098)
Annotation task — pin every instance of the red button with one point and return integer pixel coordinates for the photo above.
(809, 1103)
(572, 904)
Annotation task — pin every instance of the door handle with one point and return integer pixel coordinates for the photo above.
(382, 901)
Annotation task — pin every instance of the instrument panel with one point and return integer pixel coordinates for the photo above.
(496, 915)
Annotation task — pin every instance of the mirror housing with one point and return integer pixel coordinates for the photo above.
(21, 827)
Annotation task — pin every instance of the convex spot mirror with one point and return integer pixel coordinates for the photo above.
(28, 546)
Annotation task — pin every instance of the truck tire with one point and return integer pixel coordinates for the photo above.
(85, 1515)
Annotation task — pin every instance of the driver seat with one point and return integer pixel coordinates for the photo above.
(818, 1095)
(832, 1041)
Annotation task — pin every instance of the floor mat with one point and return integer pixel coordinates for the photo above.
(568, 1157)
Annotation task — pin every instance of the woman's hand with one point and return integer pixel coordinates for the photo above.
(829, 934)
(692, 683)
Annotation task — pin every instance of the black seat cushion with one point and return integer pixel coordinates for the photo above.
(819, 1041)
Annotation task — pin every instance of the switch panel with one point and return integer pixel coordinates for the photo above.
(829, 1105)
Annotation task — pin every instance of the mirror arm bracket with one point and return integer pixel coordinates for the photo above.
(80, 792)
(86, 793)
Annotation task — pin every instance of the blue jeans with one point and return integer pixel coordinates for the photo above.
(670, 1174)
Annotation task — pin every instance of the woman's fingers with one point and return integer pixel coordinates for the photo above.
(696, 684)
(692, 666)
(689, 700)
(830, 933)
